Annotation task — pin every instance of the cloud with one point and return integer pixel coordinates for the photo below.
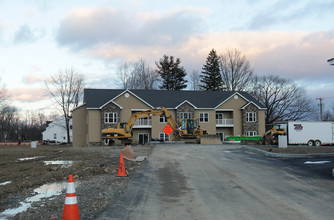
(283, 12)
(25, 34)
(115, 36)
(83, 28)
(28, 95)
(301, 54)
(31, 78)
(2, 27)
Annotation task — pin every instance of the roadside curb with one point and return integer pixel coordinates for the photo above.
(280, 155)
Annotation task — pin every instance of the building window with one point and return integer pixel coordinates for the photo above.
(204, 117)
(110, 117)
(164, 137)
(55, 136)
(251, 133)
(186, 115)
(251, 116)
(219, 115)
(162, 119)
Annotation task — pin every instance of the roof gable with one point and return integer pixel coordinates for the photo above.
(111, 101)
(95, 98)
(186, 101)
(249, 103)
(129, 91)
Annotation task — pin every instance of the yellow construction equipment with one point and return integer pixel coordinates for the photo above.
(271, 136)
(189, 128)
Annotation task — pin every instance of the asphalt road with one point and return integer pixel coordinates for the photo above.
(225, 182)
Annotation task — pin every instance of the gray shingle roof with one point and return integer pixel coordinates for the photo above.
(96, 98)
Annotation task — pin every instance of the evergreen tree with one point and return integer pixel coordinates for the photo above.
(210, 77)
(172, 73)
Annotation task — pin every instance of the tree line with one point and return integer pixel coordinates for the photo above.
(65, 89)
(14, 127)
(230, 71)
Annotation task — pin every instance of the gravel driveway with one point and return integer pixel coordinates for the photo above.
(220, 182)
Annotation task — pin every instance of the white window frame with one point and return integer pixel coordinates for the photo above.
(162, 119)
(110, 115)
(202, 117)
(251, 133)
(164, 136)
(186, 115)
(250, 116)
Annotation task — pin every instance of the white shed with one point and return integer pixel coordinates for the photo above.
(55, 132)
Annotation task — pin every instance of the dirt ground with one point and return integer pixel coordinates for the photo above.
(23, 169)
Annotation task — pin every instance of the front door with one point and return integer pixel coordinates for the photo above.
(143, 138)
(221, 135)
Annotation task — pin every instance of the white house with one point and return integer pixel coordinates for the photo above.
(56, 131)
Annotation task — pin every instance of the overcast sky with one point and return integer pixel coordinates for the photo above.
(293, 39)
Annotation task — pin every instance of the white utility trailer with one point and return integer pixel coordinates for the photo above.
(310, 133)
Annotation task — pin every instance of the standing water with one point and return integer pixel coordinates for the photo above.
(45, 191)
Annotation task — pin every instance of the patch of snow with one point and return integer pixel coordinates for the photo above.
(29, 158)
(63, 163)
(5, 183)
(316, 162)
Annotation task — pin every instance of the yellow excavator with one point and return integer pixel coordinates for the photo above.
(271, 136)
(189, 128)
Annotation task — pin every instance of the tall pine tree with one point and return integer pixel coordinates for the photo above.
(172, 73)
(210, 77)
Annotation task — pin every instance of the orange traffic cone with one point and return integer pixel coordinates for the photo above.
(121, 167)
(71, 209)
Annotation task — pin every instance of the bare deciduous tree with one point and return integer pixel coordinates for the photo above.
(327, 116)
(235, 70)
(66, 87)
(12, 127)
(195, 80)
(283, 99)
(148, 78)
(3, 93)
(8, 119)
(124, 75)
(138, 75)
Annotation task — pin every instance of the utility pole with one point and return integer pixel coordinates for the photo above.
(320, 105)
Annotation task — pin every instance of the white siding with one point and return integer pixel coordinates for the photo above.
(56, 131)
